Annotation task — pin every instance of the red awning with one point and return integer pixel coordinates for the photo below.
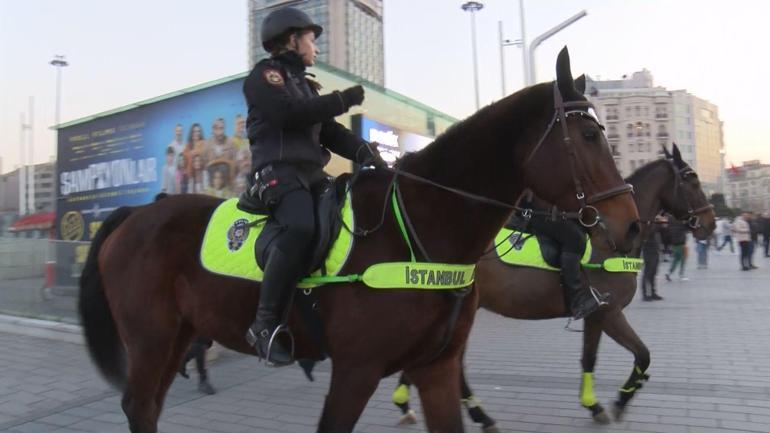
(38, 221)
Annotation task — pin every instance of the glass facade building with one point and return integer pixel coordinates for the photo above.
(352, 38)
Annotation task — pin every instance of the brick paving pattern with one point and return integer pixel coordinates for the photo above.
(710, 372)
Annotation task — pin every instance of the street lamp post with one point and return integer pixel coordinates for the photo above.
(59, 62)
(538, 40)
(472, 7)
(505, 43)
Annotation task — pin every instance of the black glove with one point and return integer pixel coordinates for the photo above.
(368, 155)
(353, 96)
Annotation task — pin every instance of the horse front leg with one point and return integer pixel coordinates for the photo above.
(440, 393)
(400, 398)
(351, 388)
(618, 328)
(592, 333)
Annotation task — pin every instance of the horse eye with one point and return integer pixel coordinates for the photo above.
(590, 133)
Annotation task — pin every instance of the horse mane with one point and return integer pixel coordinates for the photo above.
(504, 119)
(645, 170)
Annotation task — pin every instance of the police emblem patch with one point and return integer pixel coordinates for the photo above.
(237, 234)
(517, 241)
(273, 77)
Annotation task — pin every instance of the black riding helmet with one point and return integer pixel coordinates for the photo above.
(280, 21)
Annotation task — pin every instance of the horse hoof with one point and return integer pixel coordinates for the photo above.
(409, 418)
(490, 429)
(602, 417)
(617, 412)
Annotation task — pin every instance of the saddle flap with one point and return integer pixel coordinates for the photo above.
(328, 221)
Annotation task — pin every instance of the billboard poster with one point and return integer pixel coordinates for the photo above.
(393, 141)
(191, 143)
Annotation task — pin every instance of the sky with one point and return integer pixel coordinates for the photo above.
(125, 52)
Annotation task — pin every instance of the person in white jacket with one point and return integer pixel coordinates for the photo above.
(742, 233)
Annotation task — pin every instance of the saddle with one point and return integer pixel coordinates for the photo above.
(237, 230)
(328, 198)
(517, 246)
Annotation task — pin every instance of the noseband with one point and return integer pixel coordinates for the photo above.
(588, 216)
(691, 218)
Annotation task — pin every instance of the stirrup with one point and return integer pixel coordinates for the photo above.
(600, 298)
(282, 328)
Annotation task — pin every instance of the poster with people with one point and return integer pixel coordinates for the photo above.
(190, 142)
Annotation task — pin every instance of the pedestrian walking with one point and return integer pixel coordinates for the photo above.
(677, 232)
(727, 228)
(766, 233)
(198, 352)
(651, 257)
(742, 232)
(702, 246)
(754, 230)
(665, 239)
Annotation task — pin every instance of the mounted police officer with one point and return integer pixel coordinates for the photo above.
(291, 131)
(582, 299)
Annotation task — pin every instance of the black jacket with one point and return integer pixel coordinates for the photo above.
(289, 122)
(677, 232)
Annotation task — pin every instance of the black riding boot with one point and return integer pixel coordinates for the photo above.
(582, 302)
(279, 280)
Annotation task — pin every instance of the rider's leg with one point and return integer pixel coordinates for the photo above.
(286, 263)
(582, 299)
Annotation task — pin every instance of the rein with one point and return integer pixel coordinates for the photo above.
(586, 204)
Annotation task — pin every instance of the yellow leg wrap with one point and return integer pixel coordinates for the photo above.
(401, 394)
(471, 402)
(587, 396)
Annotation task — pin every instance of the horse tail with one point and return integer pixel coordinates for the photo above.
(101, 334)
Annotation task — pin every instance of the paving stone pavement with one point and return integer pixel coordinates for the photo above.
(710, 373)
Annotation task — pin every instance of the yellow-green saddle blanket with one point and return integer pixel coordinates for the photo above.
(518, 248)
(228, 245)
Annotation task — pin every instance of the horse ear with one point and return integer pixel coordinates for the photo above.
(580, 84)
(666, 153)
(677, 155)
(564, 74)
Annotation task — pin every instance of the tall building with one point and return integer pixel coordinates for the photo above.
(352, 39)
(641, 117)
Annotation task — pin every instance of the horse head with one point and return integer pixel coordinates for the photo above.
(574, 151)
(686, 199)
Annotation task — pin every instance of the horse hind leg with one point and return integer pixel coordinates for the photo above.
(621, 331)
(592, 333)
(149, 354)
(180, 347)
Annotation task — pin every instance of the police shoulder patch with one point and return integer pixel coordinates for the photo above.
(273, 76)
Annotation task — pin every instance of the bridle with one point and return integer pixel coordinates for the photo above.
(691, 218)
(562, 111)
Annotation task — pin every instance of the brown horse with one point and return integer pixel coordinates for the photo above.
(526, 293)
(144, 293)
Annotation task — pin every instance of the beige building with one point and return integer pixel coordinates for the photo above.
(641, 117)
(748, 187)
(353, 34)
